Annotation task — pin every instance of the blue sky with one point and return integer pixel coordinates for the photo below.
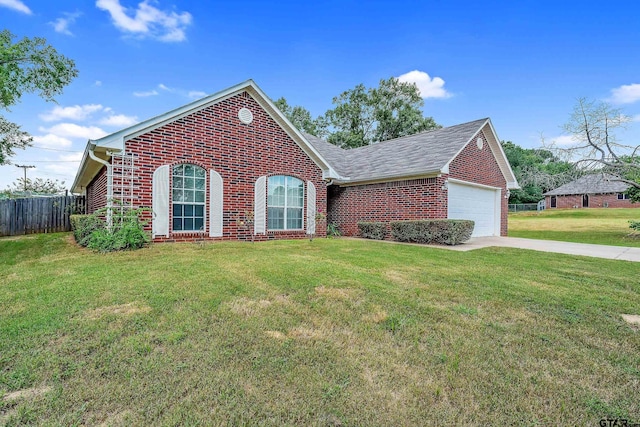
(522, 63)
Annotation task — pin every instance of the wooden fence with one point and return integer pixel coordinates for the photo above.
(38, 214)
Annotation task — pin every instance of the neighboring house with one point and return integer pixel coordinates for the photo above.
(231, 166)
(590, 191)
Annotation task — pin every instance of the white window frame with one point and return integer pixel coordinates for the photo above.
(286, 204)
(194, 203)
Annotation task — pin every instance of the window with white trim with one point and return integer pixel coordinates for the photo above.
(623, 196)
(285, 201)
(188, 184)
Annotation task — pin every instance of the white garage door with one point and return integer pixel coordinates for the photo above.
(479, 204)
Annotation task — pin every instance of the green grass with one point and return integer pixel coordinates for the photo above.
(597, 226)
(329, 332)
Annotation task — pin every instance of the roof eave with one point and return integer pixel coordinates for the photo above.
(348, 181)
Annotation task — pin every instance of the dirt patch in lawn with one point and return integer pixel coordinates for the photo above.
(275, 335)
(121, 309)
(26, 393)
(334, 293)
(250, 307)
(632, 319)
(304, 333)
(118, 419)
(377, 315)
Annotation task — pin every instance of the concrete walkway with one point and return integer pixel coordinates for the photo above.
(584, 249)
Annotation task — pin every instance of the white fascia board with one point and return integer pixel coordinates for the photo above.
(501, 158)
(75, 187)
(472, 184)
(328, 172)
(505, 166)
(116, 140)
(348, 182)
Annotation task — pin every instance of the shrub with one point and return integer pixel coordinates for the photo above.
(634, 225)
(442, 231)
(126, 232)
(83, 226)
(372, 230)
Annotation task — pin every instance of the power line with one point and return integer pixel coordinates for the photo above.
(52, 161)
(55, 149)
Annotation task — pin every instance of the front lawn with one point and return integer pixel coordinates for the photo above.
(598, 226)
(329, 332)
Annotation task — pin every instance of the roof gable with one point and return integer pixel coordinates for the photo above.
(590, 184)
(89, 167)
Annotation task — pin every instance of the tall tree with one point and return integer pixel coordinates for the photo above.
(537, 171)
(363, 116)
(596, 148)
(301, 118)
(28, 66)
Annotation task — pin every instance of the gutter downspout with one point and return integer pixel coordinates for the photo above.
(92, 147)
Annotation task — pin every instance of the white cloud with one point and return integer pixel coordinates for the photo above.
(72, 130)
(76, 112)
(625, 94)
(562, 140)
(51, 141)
(147, 21)
(428, 87)
(98, 83)
(145, 94)
(71, 157)
(16, 5)
(61, 25)
(119, 120)
(195, 94)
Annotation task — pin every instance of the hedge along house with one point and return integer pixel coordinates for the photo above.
(590, 191)
(231, 166)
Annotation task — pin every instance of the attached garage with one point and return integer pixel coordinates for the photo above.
(477, 203)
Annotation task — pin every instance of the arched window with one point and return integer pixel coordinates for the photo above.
(285, 201)
(188, 184)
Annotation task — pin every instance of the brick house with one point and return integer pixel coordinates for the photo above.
(231, 166)
(590, 191)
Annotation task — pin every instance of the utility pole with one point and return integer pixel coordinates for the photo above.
(25, 167)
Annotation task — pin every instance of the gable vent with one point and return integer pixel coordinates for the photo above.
(245, 115)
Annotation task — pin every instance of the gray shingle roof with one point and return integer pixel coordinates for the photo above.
(590, 184)
(423, 153)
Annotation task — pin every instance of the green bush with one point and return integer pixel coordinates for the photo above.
(83, 226)
(372, 230)
(441, 231)
(126, 232)
(634, 225)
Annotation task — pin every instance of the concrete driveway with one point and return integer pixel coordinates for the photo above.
(584, 249)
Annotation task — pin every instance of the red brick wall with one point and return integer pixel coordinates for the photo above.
(97, 192)
(214, 138)
(415, 199)
(480, 166)
(595, 201)
(389, 201)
